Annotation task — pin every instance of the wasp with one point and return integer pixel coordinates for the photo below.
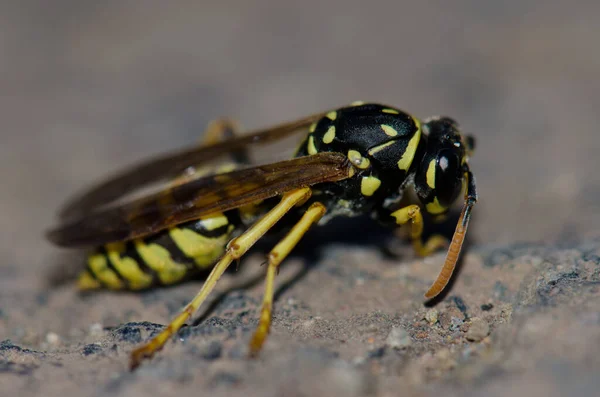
(355, 160)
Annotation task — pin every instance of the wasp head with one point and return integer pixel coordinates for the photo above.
(440, 177)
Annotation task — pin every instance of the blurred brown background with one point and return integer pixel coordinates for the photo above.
(88, 87)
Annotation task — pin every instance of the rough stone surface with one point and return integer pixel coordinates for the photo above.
(89, 88)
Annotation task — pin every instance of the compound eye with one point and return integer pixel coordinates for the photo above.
(448, 177)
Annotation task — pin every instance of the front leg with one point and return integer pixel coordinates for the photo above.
(412, 214)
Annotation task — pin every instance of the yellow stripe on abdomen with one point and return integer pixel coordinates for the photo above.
(204, 251)
(127, 267)
(159, 259)
(166, 258)
(86, 281)
(98, 267)
(113, 270)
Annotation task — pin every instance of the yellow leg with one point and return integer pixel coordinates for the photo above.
(412, 213)
(217, 131)
(275, 257)
(220, 130)
(235, 249)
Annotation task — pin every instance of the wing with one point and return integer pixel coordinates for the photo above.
(200, 197)
(158, 169)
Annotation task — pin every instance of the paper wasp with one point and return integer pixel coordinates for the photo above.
(355, 160)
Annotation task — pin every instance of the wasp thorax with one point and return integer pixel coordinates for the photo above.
(439, 178)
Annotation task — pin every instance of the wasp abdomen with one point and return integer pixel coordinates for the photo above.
(166, 258)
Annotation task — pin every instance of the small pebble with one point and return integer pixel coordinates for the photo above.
(478, 330)
(398, 338)
(52, 338)
(96, 330)
(432, 316)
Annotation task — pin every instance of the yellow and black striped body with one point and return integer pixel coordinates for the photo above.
(172, 255)
(165, 258)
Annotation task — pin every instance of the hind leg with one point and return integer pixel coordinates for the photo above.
(235, 249)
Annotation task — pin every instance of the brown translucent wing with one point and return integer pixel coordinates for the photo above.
(200, 197)
(160, 168)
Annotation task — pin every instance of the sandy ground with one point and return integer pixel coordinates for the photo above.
(88, 89)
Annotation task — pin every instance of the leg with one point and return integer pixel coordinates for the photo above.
(220, 130)
(235, 249)
(217, 131)
(275, 257)
(412, 213)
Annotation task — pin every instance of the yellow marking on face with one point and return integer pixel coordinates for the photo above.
(98, 264)
(431, 174)
(329, 135)
(312, 149)
(358, 160)
(389, 131)
(390, 111)
(357, 103)
(213, 222)
(86, 281)
(379, 148)
(331, 115)
(127, 267)
(204, 250)
(409, 154)
(312, 128)
(369, 185)
(159, 259)
(435, 207)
